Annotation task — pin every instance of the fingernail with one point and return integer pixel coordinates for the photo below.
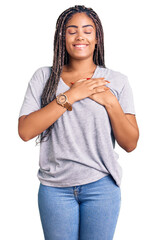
(107, 81)
(72, 82)
(88, 78)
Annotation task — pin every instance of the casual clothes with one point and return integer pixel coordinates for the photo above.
(80, 149)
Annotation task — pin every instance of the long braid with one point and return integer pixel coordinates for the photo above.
(61, 57)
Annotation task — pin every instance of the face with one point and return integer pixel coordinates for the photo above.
(80, 36)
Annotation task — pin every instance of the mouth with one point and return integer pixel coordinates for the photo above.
(80, 46)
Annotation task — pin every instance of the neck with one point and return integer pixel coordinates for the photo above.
(81, 66)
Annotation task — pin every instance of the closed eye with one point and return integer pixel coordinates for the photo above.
(84, 32)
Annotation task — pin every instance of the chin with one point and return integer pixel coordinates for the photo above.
(80, 56)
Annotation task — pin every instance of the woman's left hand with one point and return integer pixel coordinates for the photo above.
(103, 98)
(124, 126)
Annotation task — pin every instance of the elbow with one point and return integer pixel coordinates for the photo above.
(22, 130)
(132, 144)
(130, 148)
(25, 139)
(23, 135)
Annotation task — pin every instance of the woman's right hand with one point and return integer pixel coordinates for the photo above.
(84, 88)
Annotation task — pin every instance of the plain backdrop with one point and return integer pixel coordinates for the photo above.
(27, 31)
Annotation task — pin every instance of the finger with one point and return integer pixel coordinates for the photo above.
(100, 89)
(101, 79)
(97, 84)
(106, 88)
(80, 80)
(96, 79)
(84, 79)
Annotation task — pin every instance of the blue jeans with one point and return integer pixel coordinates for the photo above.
(84, 212)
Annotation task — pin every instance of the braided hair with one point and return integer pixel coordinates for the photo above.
(61, 57)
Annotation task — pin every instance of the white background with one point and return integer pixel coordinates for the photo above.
(27, 30)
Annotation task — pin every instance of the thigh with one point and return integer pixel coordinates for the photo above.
(99, 209)
(59, 213)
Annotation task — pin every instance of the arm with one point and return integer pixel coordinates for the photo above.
(38, 120)
(124, 126)
(30, 126)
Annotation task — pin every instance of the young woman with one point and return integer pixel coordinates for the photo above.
(79, 108)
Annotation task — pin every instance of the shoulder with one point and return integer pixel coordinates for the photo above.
(117, 79)
(41, 75)
(114, 76)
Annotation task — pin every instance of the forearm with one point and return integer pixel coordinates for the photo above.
(36, 122)
(126, 134)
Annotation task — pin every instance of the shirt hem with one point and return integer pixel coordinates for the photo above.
(76, 183)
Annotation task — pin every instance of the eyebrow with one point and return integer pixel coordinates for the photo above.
(82, 26)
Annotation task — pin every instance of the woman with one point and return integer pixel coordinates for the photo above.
(79, 108)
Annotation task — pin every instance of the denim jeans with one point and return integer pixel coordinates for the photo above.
(83, 212)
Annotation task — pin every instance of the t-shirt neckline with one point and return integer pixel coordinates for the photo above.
(91, 77)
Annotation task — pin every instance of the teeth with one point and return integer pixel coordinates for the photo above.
(80, 46)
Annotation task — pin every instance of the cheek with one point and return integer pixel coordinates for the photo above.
(92, 39)
(68, 41)
(93, 42)
(67, 44)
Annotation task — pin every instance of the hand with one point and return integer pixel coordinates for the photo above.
(104, 97)
(84, 88)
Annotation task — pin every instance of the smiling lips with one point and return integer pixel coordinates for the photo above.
(80, 46)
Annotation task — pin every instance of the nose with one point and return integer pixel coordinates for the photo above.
(79, 37)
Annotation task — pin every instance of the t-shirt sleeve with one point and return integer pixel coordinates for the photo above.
(32, 98)
(126, 98)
